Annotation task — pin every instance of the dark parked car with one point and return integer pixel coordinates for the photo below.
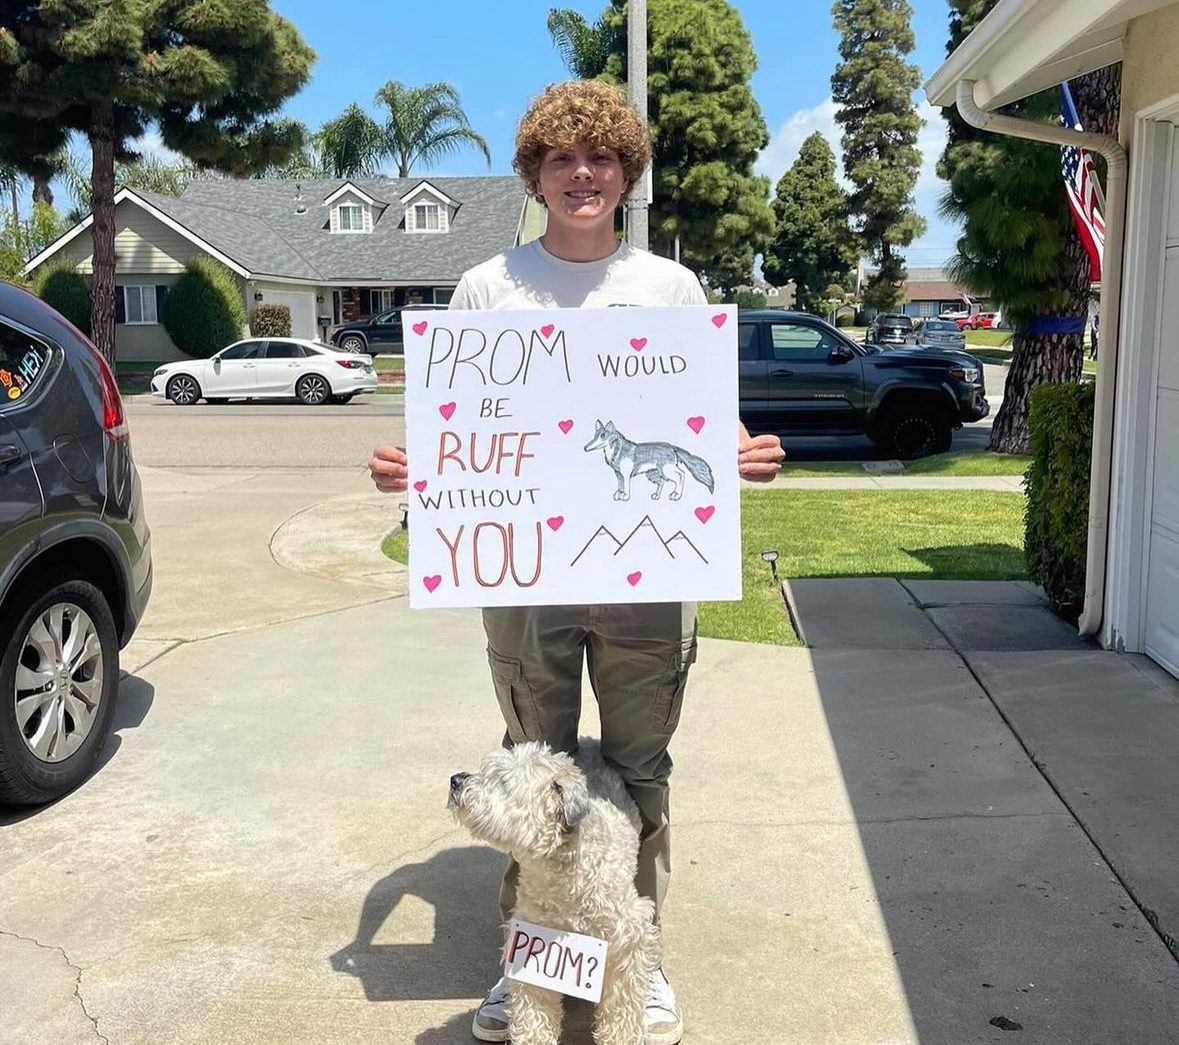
(75, 550)
(801, 376)
(381, 333)
(889, 328)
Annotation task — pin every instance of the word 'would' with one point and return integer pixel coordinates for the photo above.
(632, 366)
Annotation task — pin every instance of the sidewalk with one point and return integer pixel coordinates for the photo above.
(865, 851)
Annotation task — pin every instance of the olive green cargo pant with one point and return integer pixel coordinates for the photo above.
(638, 658)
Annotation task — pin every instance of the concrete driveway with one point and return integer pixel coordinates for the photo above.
(864, 851)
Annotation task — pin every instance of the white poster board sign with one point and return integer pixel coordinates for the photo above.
(572, 456)
(568, 963)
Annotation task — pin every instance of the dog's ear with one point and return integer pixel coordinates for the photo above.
(609, 426)
(574, 803)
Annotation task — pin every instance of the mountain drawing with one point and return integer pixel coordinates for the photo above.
(644, 537)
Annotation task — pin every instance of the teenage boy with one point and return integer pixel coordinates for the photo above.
(580, 149)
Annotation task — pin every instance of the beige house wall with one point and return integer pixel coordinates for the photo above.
(1150, 67)
(143, 244)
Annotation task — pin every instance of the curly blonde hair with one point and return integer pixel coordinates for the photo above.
(580, 111)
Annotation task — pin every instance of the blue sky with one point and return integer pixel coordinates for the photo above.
(498, 55)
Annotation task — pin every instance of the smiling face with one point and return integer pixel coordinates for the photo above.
(581, 187)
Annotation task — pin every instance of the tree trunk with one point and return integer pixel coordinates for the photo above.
(1038, 359)
(102, 183)
(1057, 358)
(42, 193)
(16, 236)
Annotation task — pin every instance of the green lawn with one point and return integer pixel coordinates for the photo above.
(989, 339)
(134, 378)
(394, 363)
(958, 462)
(926, 534)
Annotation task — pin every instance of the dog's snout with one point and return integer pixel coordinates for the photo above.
(456, 781)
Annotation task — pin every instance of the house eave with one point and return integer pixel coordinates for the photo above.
(1026, 46)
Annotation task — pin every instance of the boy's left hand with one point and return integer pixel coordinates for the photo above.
(758, 457)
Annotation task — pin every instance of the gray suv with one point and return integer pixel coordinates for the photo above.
(75, 550)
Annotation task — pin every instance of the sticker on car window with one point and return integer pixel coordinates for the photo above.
(20, 378)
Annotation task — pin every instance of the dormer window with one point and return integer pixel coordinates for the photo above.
(351, 217)
(426, 217)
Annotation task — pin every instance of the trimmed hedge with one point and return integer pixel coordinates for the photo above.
(204, 311)
(66, 290)
(272, 321)
(1057, 518)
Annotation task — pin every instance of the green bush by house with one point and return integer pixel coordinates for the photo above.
(271, 321)
(1057, 517)
(66, 290)
(204, 311)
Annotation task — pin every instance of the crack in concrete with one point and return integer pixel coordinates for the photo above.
(77, 970)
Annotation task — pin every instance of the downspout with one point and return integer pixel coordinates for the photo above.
(1111, 307)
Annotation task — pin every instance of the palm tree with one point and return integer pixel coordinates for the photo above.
(352, 145)
(584, 48)
(425, 124)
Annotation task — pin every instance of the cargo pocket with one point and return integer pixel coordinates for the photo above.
(516, 703)
(669, 700)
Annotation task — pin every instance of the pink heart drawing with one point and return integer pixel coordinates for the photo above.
(420, 485)
(633, 578)
(420, 328)
(432, 582)
(447, 411)
(555, 522)
(565, 426)
(638, 343)
(547, 329)
(704, 514)
(696, 423)
(718, 320)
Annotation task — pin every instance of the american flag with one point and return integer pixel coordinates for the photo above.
(1081, 188)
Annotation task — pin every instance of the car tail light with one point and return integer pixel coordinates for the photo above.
(114, 422)
(351, 364)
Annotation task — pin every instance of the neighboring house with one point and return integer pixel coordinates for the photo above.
(1025, 46)
(332, 250)
(930, 292)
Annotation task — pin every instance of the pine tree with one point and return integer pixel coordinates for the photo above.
(813, 244)
(873, 88)
(207, 74)
(707, 130)
(1019, 244)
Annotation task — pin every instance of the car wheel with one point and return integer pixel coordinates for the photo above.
(183, 390)
(912, 430)
(313, 390)
(352, 343)
(58, 680)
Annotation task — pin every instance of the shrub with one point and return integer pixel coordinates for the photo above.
(1057, 517)
(204, 311)
(68, 291)
(271, 321)
(845, 319)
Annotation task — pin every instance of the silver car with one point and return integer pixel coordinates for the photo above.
(938, 333)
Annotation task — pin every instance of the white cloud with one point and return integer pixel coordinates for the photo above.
(938, 242)
(151, 146)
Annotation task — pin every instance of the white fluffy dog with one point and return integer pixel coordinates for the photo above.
(574, 831)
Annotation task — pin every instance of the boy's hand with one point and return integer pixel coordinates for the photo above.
(758, 457)
(389, 468)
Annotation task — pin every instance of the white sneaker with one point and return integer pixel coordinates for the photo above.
(663, 1024)
(491, 1018)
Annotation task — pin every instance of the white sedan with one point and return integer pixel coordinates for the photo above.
(268, 368)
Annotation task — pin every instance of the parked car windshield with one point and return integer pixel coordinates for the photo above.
(894, 321)
(939, 326)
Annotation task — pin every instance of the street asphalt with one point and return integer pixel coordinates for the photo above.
(946, 821)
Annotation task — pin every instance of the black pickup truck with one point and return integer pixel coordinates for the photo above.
(800, 376)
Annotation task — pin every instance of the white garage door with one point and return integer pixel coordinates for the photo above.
(302, 306)
(1162, 576)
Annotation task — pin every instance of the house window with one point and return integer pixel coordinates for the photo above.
(351, 218)
(425, 217)
(927, 308)
(383, 300)
(139, 305)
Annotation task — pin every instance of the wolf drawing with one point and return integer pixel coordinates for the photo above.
(660, 462)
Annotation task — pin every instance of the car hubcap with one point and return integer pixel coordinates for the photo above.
(183, 390)
(353, 344)
(914, 437)
(314, 390)
(58, 682)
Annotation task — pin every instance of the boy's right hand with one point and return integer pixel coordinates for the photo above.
(389, 468)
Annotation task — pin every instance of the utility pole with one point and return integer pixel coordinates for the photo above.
(636, 90)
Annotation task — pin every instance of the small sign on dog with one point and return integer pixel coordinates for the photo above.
(573, 456)
(566, 962)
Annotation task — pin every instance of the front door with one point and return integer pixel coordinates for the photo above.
(808, 387)
(234, 372)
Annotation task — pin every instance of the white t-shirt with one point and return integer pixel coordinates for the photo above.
(529, 276)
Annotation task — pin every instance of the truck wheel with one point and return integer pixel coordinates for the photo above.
(912, 430)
